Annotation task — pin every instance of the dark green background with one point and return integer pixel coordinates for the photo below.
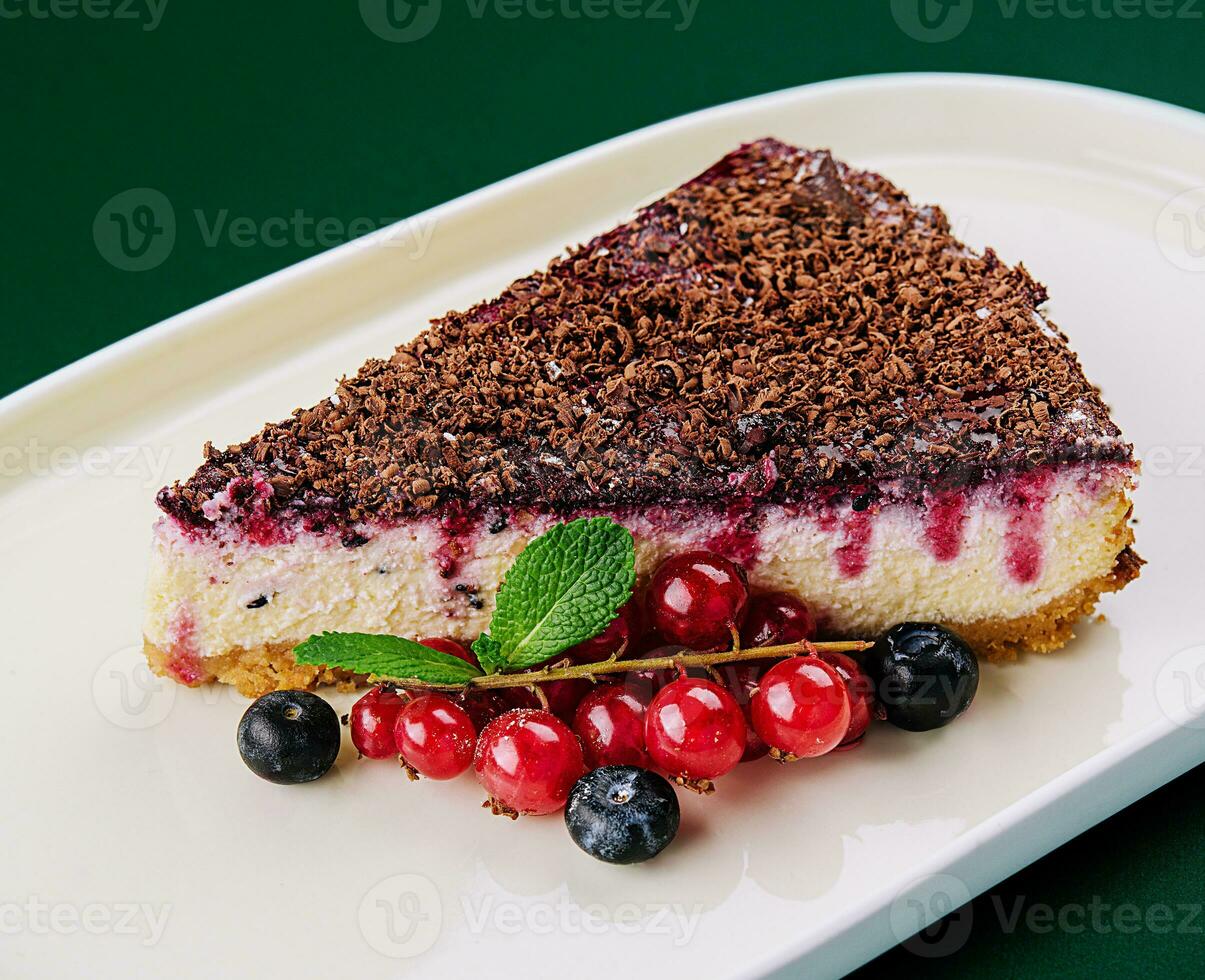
(262, 108)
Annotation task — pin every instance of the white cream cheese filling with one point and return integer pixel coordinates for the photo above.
(217, 597)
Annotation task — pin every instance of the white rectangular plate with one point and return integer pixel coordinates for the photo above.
(137, 843)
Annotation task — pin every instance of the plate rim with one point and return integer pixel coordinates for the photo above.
(1151, 756)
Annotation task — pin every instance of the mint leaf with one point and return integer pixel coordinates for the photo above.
(565, 587)
(488, 652)
(393, 657)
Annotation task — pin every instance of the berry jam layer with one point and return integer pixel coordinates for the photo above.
(999, 561)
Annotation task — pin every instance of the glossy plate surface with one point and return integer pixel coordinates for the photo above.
(137, 843)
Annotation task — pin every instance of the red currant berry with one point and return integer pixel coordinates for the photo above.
(563, 697)
(776, 618)
(755, 747)
(371, 721)
(861, 696)
(697, 598)
(528, 762)
(645, 684)
(610, 724)
(435, 737)
(452, 648)
(482, 707)
(695, 729)
(649, 641)
(741, 680)
(623, 633)
(521, 699)
(801, 707)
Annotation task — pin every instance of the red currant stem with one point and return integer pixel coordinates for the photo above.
(532, 678)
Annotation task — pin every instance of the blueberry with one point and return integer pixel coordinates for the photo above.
(289, 737)
(622, 814)
(925, 676)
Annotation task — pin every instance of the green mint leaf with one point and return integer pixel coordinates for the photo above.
(565, 587)
(392, 657)
(488, 652)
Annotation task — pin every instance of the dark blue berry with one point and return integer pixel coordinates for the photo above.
(289, 737)
(622, 814)
(925, 676)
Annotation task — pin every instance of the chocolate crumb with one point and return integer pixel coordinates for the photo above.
(780, 325)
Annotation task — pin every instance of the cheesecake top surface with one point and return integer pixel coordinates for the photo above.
(780, 326)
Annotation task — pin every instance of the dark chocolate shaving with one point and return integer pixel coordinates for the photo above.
(779, 326)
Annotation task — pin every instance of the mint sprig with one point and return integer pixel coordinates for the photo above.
(384, 656)
(565, 587)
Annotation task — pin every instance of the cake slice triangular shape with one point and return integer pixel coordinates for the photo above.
(783, 360)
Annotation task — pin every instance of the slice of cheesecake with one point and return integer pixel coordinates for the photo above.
(783, 361)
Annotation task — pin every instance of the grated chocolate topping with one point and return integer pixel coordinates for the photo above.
(779, 326)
